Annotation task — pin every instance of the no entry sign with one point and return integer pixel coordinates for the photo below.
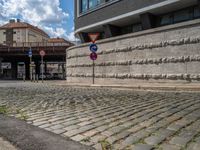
(42, 53)
(93, 56)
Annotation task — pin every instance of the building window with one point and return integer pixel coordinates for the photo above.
(165, 20)
(197, 12)
(182, 15)
(86, 5)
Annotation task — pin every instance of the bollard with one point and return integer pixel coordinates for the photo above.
(37, 78)
(34, 78)
(24, 78)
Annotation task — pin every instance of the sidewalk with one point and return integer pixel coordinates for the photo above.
(5, 145)
(139, 86)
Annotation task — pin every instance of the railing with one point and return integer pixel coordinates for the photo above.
(36, 44)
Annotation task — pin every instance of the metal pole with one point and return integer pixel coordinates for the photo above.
(93, 73)
(42, 62)
(31, 68)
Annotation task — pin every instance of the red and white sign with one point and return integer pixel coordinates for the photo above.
(42, 53)
(93, 36)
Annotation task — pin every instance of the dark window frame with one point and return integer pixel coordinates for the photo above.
(99, 6)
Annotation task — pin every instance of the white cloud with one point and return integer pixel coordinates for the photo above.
(71, 37)
(42, 13)
(34, 11)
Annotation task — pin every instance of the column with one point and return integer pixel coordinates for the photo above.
(111, 30)
(148, 21)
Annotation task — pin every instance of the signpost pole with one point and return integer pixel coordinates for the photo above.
(42, 62)
(93, 49)
(31, 68)
(93, 75)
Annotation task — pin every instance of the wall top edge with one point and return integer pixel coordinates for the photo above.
(140, 33)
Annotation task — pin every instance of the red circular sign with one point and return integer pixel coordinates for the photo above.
(42, 53)
(93, 56)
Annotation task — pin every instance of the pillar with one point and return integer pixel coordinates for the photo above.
(148, 21)
(110, 30)
(14, 69)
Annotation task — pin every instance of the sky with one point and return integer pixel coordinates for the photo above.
(55, 17)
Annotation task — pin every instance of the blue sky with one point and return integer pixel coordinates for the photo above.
(53, 16)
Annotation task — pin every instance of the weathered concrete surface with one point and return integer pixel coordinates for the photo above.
(166, 54)
(27, 137)
(5, 145)
(125, 118)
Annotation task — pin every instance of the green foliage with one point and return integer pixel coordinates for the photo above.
(3, 109)
(105, 145)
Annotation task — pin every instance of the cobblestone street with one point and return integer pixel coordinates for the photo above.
(125, 119)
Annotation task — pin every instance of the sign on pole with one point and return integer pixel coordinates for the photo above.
(93, 48)
(30, 53)
(93, 56)
(93, 37)
(42, 53)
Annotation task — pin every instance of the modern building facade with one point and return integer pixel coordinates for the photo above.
(141, 41)
(21, 32)
(117, 17)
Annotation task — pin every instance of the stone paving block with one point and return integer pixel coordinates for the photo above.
(142, 147)
(154, 140)
(56, 127)
(78, 137)
(68, 128)
(169, 147)
(174, 127)
(193, 146)
(180, 141)
(59, 131)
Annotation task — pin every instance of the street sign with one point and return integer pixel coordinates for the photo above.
(93, 48)
(30, 53)
(42, 53)
(93, 36)
(93, 56)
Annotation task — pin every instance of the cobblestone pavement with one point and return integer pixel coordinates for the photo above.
(126, 119)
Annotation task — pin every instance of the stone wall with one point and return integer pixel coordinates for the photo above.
(166, 54)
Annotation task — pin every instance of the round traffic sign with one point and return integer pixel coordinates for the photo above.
(93, 56)
(93, 47)
(30, 53)
(42, 53)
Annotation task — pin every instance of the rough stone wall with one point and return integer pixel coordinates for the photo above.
(165, 54)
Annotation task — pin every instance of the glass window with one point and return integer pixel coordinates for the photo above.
(84, 5)
(197, 12)
(93, 3)
(182, 15)
(167, 19)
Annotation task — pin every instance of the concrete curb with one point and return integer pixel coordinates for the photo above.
(28, 137)
(143, 86)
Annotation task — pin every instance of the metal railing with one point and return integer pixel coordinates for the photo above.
(36, 44)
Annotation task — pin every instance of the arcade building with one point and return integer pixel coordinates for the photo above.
(17, 39)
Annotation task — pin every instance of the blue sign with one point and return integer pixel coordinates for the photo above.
(93, 47)
(30, 53)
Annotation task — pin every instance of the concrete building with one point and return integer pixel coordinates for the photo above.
(148, 40)
(117, 17)
(21, 32)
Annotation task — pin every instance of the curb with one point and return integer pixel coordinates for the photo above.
(28, 137)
